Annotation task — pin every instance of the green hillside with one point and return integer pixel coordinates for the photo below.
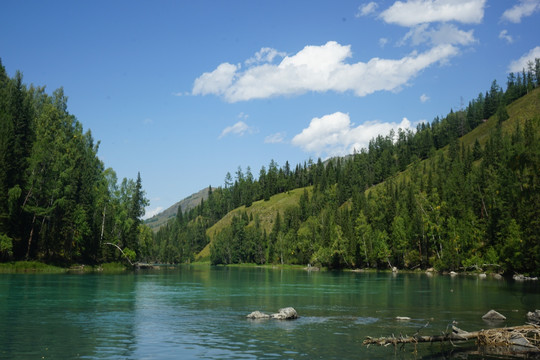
(459, 193)
(527, 107)
(524, 108)
(264, 210)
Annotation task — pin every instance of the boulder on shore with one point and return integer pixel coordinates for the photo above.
(287, 313)
(493, 315)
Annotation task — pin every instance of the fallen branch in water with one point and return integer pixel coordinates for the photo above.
(526, 338)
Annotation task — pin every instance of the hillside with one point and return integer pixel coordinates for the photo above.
(525, 108)
(520, 110)
(192, 201)
(265, 210)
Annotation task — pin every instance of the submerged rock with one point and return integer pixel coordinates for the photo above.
(287, 313)
(534, 317)
(493, 315)
(258, 315)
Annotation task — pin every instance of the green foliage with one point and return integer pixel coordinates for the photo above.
(6, 246)
(57, 202)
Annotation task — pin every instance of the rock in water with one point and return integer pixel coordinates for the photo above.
(287, 313)
(258, 315)
(534, 317)
(493, 315)
(403, 318)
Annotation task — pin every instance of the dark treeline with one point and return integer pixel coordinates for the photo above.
(469, 207)
(57, 201)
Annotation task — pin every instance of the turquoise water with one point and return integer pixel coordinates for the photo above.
(197, 312)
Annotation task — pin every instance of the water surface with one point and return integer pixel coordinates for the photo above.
(198, 312)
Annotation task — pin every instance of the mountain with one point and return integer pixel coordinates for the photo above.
(192, 201)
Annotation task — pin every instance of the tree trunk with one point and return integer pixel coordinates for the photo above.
(30, 238)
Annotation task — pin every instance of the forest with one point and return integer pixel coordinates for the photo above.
(459, 193)
(58, 203)
(412, 199)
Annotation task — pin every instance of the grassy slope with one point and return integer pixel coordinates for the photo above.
(522, 109)
(266, 210)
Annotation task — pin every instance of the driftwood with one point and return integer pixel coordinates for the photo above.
(524, 338)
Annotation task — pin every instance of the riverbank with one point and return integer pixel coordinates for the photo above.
(40, 267)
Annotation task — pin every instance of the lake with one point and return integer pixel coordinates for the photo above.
(198, 312)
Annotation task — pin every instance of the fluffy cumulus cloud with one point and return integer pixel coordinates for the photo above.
(523, 9)
(367, 9)
(413, 12)
(239, 129)
(522, 62)
(216, 81)
(318, 69)
(424, 98)
(335, 135)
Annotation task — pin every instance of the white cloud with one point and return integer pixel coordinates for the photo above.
(367, 9)
(335, 135)
(444, 34)
(275, 138)
(523, 9)
(505, 36)
(521, 63)
(152, 212)
(239, 129)
(424, 98)
(415, 12)
(383, 42)
(319, 69)
(265, 55)
(216, 81)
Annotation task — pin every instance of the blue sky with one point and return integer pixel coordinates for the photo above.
(186, 91)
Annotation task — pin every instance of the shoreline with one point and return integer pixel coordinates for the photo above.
(37, 267)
